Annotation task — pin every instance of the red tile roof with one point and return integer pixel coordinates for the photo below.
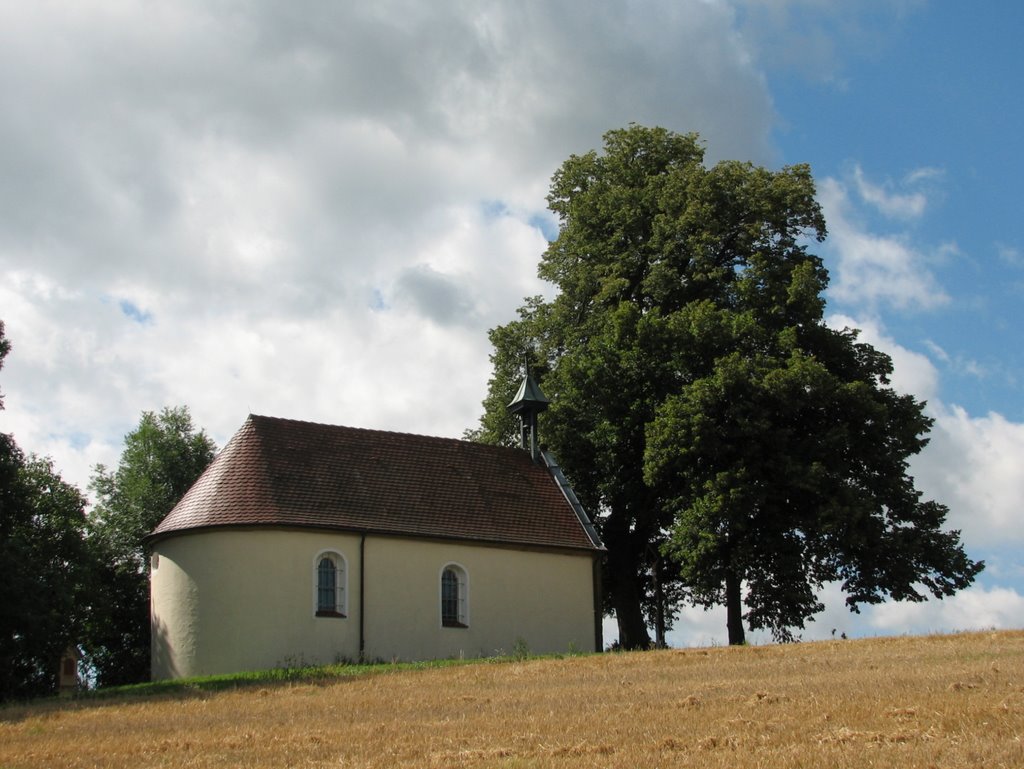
(282, 472)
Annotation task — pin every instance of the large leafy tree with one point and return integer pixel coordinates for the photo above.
(49, 579)
(727, 438)
(161, 459)
(48, 568)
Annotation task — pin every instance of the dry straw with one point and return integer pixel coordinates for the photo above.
(938, 701)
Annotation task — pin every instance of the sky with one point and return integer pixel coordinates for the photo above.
(316, 210)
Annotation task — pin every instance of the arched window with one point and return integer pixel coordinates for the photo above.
(454, 596)
(330, 585)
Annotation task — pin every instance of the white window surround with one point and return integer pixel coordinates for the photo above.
(323, 591)
(453, 594)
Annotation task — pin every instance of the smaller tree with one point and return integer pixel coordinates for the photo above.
(5, 347)
(162, 458)
(49, 580)
(786, 469)
(48, 568)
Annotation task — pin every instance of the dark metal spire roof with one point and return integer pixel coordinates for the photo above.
(529, 397)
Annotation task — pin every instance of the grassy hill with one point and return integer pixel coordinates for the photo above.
(936, 701)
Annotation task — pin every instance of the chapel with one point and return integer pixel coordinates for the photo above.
(307, 543)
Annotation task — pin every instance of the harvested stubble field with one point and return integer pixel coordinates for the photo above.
(937, 701)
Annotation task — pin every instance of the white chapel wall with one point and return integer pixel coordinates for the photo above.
(542, 599)
(233, 600)
(227, 601)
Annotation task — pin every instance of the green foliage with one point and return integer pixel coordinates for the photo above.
(161, 459)
(724, 435)
(788, 474)
(48, 568)
(520, 649)
(49, 578)
(5, 347)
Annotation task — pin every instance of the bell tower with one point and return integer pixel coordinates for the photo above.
(527, 404)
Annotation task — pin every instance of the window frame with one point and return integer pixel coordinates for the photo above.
(340, 563)
(461, 574)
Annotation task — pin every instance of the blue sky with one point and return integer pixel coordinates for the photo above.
(937, 93)
(316, 211)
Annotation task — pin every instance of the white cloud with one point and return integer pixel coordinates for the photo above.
(937, 351)
(959, 364)
(925, 174)
(972, 465)
(817, 38)
(892, 204)
(1010, 255)
(291, 210)
(976, 608)
(873, 269)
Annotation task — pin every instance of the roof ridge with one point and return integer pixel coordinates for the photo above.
(380, 431)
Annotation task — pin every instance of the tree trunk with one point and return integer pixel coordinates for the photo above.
(734, 608)
(659, 607)
(632, 628)
(623, 570)
(625, 563)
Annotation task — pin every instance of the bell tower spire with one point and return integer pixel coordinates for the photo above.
(528, 403)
